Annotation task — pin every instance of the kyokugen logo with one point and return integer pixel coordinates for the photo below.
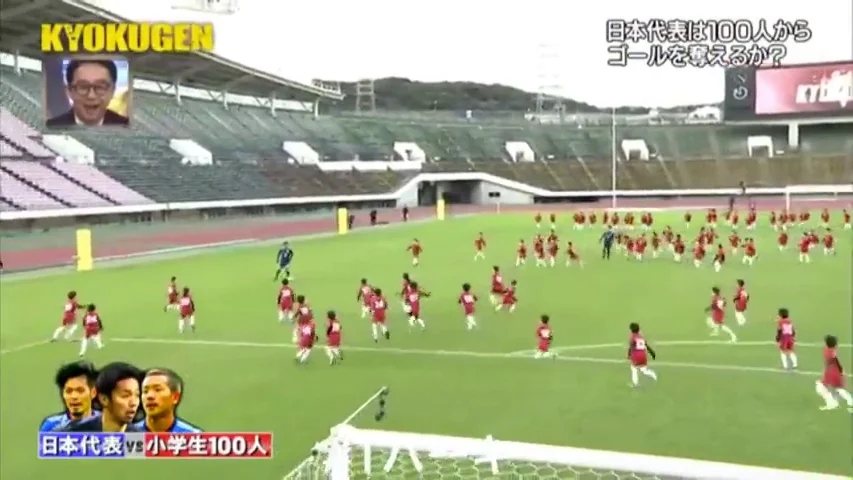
(832, 89)
(808, 89)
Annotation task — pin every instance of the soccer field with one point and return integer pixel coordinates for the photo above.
(715, 401)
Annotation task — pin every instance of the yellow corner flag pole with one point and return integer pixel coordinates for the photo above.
(343, 221)
(85, 262)
(440, 209)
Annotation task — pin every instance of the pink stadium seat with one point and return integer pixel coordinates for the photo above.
(101, 183)
(11, 123)
(5, 207)
(7, 151)
(24, 195)
(51, 181)
(22, 135)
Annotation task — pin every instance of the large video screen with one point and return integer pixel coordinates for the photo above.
(790, 92)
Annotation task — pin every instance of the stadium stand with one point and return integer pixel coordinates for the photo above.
(245, 140)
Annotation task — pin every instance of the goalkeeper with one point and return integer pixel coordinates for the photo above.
(283, 259)
(606, 240)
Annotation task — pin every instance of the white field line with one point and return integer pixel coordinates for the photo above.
(462, 354)
(674, 343)
(26, 346)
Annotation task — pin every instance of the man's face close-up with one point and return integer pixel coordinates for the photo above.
(91, 90)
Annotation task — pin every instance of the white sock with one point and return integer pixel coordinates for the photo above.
(98, 342)
(364, 311)
(281, 316)
(471, 323)
(635, 376)
(493, 299)
(180, 325)
(192, 321)
(303, 357)
(330, 353)
(741, 318)
(649, 373)
(845, 395)
(421, 323)
(412, 321)
(58, 332)
(784, 357)
(375, 330)
(512, 308)
(70, 331)
(83, 345)
(793, 359)
(826, 395)
(729, 331)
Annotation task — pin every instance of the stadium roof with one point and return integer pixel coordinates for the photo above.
(20, 32)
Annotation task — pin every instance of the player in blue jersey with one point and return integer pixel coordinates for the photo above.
(283, 259)
(117, 388)
(162, 390)
(76, 382)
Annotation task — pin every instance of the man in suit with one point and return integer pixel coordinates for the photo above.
(90, 85)
(117, 390)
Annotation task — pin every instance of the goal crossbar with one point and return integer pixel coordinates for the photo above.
(338, 450)
(818, 193)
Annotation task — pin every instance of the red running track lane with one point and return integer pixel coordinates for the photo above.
(30, 259)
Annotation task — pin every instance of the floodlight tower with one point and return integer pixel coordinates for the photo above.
(221, 7)
(550, 70)
(365, 96)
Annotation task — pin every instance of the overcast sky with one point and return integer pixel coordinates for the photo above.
(530, 44)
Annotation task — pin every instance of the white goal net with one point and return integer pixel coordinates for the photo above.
(358, 453)
(352, 453)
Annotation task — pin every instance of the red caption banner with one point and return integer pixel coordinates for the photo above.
(807, 89)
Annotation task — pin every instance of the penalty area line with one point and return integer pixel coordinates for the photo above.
(464, 354)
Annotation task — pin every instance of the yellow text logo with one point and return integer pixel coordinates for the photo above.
(126, 37)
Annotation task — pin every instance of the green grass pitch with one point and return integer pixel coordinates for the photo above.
(713, 401)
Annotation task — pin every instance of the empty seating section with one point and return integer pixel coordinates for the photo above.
(173, 182)
(137, 165)
(99, 182)
(20, 194)
(52, 182)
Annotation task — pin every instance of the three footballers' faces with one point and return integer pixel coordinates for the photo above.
(91, 91)
(77, 395)
(157, 396)
(124, 401)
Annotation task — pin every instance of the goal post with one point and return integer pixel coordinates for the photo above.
(351, 452)
(806, 197)
(308, 468)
